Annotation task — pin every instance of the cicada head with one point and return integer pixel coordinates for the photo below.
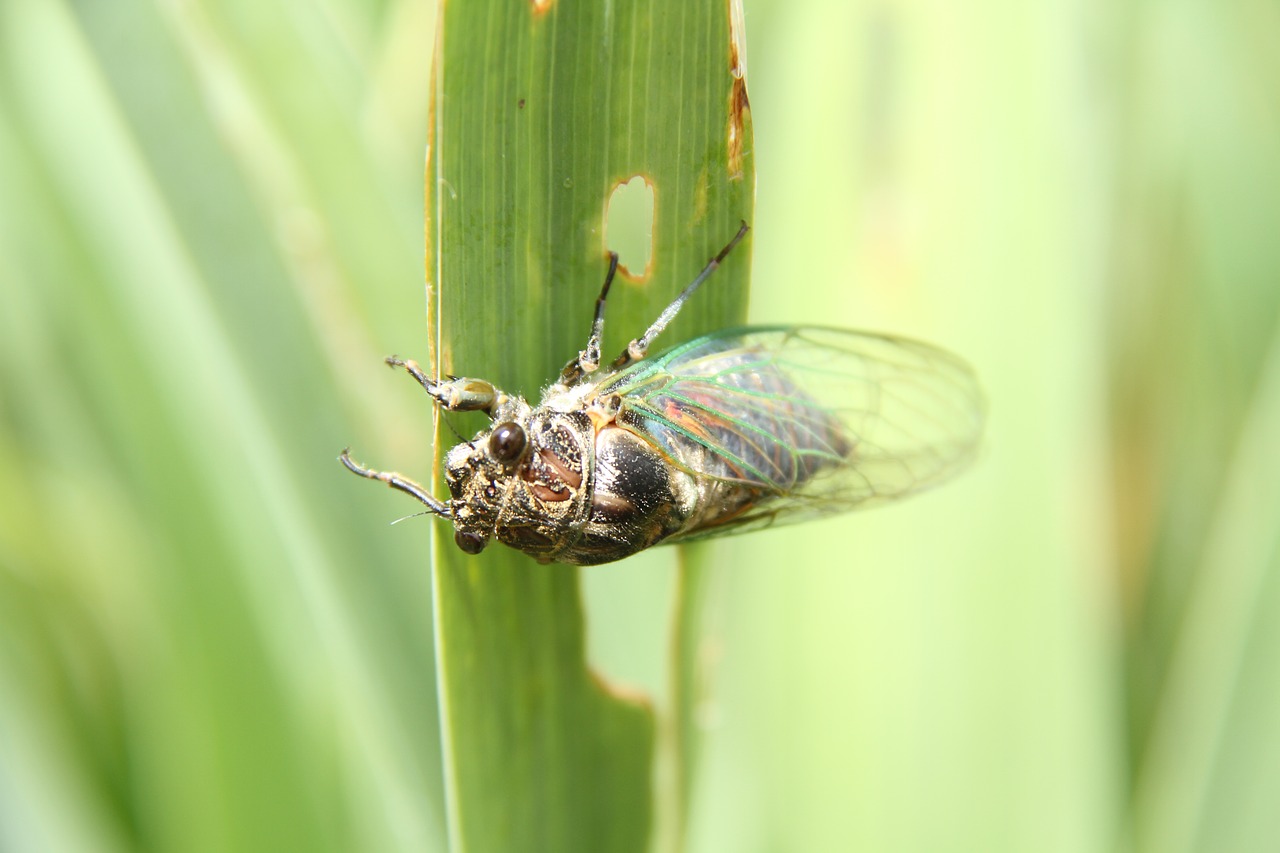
(481, 472)
(523, 481)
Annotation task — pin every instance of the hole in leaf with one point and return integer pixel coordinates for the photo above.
(628, 226)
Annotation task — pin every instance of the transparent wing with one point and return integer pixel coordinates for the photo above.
(795, 422)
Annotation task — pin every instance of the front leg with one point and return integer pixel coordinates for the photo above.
(400, 482)
(456, 394)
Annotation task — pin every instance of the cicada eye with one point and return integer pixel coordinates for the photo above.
(470, 543)
(507, 442)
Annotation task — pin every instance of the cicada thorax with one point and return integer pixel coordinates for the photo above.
(589, 492)
(558, 458)
(582, 491)
(546, 496)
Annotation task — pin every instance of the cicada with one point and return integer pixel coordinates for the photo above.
(734, 431)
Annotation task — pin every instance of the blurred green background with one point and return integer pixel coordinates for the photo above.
(211, 232)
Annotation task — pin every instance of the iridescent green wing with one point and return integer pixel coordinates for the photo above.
(806, 420)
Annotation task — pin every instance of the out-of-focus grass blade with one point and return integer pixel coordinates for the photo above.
(541, 110)
(188, 616)
(1220, 671)
(1195, 373)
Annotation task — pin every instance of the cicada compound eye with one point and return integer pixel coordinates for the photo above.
(470, 543)
(507, 442)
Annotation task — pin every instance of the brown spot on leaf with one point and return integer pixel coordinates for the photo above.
(739, 106)
(739, 112)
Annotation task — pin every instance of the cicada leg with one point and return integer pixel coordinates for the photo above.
(456, 394)
(397, 481)
(589, 359)
(639, 348)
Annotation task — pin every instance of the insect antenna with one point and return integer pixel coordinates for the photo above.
(412, 515)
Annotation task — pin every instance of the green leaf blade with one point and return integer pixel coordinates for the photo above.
(539, 116)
